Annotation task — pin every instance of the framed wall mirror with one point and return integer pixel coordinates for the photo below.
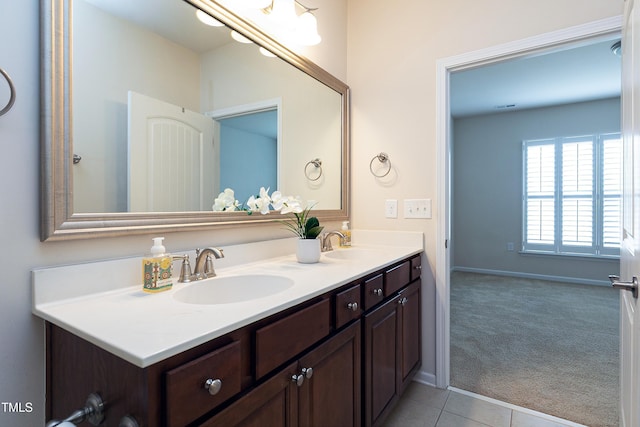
(148, 114)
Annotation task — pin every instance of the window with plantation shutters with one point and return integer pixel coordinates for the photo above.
(572, 195)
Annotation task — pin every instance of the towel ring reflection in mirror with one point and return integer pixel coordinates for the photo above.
(12, 89)
(317, 163)
(382, 158)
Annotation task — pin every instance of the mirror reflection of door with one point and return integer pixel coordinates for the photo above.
(171, 157)
(249, 152)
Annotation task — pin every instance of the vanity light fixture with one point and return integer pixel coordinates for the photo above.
(281, 19)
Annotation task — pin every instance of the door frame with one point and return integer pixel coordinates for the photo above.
(573, 36)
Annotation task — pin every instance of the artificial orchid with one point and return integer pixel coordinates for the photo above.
(304, 226)
(226, 201)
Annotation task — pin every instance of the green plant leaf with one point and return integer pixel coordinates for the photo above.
(314, 232)
(311, 223)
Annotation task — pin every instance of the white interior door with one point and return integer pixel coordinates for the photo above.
(630, 251)
(172, 157)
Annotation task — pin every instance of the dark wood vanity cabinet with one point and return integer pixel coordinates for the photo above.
(340, 359)
(392, 350)
(322, 388)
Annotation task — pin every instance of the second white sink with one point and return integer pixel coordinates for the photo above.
(232, 289)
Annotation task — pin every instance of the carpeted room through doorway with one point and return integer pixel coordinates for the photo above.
(548, 346)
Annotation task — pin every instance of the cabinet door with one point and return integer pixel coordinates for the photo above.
(273, 403)
(410, 334)
(331, 395)
(380, 360)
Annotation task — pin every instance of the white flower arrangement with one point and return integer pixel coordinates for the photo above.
(302, 225)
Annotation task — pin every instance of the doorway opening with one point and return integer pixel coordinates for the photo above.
(576, 36)
(249, 143)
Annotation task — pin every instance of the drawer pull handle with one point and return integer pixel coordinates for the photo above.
(377, 292)
(353, 306)
(298, 379)
(213, 386)
(307, 372)
(418, 267)
(402, 301)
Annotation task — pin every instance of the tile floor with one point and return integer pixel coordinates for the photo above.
(425, 406)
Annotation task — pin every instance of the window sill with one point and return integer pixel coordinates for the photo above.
(571, 255)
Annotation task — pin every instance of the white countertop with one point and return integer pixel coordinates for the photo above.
(98, 302)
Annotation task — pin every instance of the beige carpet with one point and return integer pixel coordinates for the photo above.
(547, 346)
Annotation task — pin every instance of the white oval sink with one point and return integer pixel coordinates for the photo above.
(350, 253)
(232, 289)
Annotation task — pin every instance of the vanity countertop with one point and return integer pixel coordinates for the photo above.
(145, 328)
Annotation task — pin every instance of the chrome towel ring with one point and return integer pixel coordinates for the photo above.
(12, 97)
(382, 158)
(317, 163)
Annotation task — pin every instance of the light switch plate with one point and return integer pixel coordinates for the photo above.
(391, 208)
(417, 208)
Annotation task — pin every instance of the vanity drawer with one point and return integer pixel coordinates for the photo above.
(416, 267)
(373, 290)
(285, 338)
(348, 305)
(185, 394)
(397, 278)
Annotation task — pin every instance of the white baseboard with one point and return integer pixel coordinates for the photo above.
(425, 378)
(533, 276)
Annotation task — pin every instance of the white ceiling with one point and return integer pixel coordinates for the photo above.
(564, 76)
(174, 20)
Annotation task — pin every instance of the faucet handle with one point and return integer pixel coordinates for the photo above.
(185, 268)
(208, 267)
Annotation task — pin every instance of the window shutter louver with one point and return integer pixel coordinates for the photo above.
(572, 195)
(577, 193)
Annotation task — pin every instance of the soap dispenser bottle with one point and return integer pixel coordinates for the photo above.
(157, 268)
(346, 242)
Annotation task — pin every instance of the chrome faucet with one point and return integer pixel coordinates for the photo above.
(204, 263)
(326, 240)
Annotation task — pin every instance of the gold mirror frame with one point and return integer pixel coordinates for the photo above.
(58, 222)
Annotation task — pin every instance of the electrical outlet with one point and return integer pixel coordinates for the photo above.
(510, 246)
(391, 208)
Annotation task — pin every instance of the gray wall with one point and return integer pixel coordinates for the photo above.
(487, 187)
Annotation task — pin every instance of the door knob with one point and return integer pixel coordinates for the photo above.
(628, 286)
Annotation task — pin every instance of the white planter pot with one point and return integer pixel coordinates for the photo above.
(308, 251)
